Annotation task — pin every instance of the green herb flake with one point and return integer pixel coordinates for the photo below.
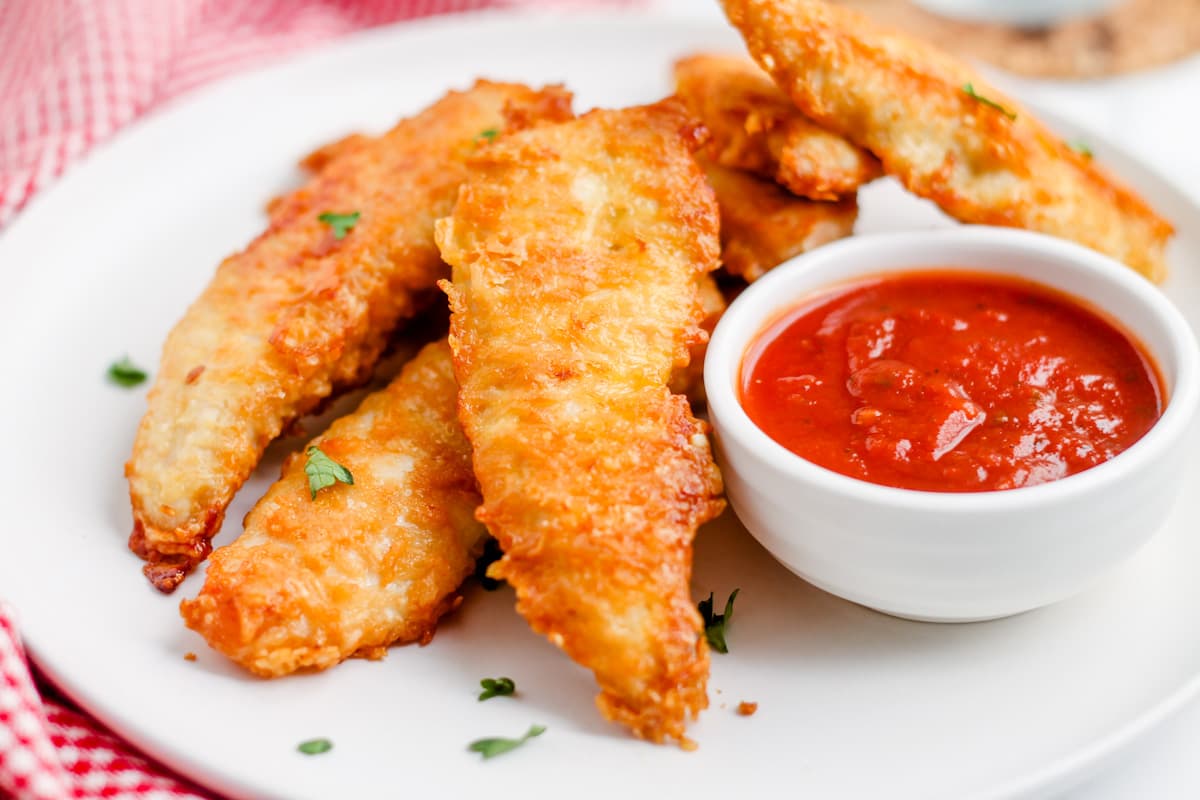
(341, 223)
(496, 687)
(314, 747)
(490, 748)
(491, 553)
(715, 624)
(126, 373)
(1081, 147)
(487, 135)
(323, 471)
(970, 90)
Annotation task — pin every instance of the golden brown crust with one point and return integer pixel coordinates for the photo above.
(906, 103)
(689, 379)
(576, 250)
(763, 225)
(755, 127)
(298, 314)
(324, 155)
(313, 581)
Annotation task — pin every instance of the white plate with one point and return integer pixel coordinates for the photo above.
(851, 703)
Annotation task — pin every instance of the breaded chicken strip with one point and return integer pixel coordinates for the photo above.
(305, 309)
(576, 250)
(944, 131)
(689, 379)
(323, 156)
(755, 127)
(763, 225)
(313, 581)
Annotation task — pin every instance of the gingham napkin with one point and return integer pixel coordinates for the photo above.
(74, 71)
(49, 752)
(71, 73)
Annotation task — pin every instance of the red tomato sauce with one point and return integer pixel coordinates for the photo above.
(950, 382)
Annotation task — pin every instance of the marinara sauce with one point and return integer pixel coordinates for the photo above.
(950, 382)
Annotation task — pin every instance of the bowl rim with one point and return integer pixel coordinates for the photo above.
(771, 295)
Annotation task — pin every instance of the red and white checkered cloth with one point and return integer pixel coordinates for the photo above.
(71, 73)
(49, 752)
(74, 71)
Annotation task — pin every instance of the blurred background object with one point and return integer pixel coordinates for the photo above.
(1111, 37)
(1026, 13)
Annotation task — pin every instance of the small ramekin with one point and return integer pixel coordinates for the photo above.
(954, 557)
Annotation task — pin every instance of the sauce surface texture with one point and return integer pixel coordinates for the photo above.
(949, 382)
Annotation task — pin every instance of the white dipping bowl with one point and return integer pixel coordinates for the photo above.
(954, 557)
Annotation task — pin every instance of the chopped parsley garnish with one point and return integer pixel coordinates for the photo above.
(341, 223)
(970, 90)
(496, 687)
(490, 748)
(323, 471)
(315, 747)
(487, 135)
(715, 624)
(491, 552)
(125, 373)
(1081, 147)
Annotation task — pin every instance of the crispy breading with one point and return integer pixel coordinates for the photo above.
(755, 127)
(983, 161)
(763, 225)
(576, 251)
(313, 581)
(326, 154)
(689, 379)
(298, 314)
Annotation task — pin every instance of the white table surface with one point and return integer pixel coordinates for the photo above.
(1155, 115)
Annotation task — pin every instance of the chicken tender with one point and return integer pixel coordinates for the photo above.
(763, 225)
(945, 132)
(304, 310)
(576, 252)
(313, 581)
(689, 379)
(757, 128)
(325, 155)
